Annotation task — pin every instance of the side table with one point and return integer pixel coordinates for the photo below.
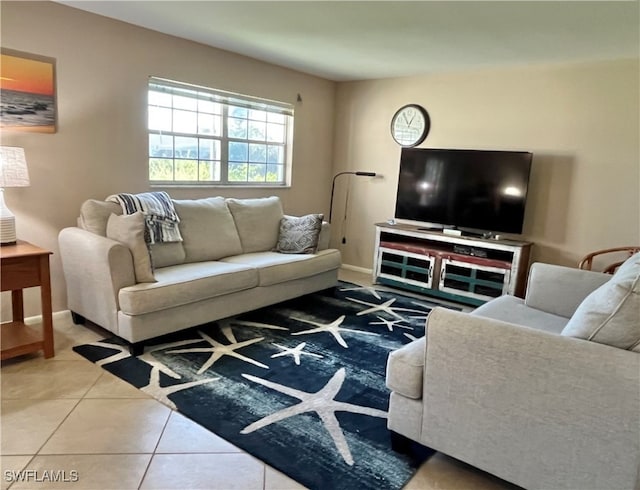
(24, 265)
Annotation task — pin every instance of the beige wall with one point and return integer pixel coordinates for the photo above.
(580, 121)
(101, 144)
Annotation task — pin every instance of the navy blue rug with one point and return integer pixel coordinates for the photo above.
(299, 385)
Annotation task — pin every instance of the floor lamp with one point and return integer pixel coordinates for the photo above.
(333, 187)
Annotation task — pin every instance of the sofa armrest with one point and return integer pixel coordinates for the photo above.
(560, 290)
(495, 393)
(95, 269)
(325, 236)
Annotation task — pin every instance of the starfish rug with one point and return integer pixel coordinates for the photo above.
(299, 385)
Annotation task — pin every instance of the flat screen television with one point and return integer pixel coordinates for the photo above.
(471, 190)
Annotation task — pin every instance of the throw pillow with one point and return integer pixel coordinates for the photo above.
(609, 315)
(299, 235)
(128, 229)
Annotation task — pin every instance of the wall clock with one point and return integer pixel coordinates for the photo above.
(410, 125)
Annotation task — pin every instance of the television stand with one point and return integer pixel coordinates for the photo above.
(465, 269)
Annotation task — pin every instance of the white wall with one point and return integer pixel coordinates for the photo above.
(101, 144)
(580, 121)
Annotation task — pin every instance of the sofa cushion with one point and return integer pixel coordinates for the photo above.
(299, 235)
(405, 369)
(166, 254)
(129, 230)
(94, 215)
(609, 315)
(208, 230)
(275, 268)
(257, 222)
(184, 284)
(514, 310)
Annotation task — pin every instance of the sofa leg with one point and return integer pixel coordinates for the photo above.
(77, 319)
(331, 292)
(400, 443)
(416, 451)
(136, 348)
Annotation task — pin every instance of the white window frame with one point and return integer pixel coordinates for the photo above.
(268, 153)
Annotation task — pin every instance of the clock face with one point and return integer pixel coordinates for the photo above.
(410, 125)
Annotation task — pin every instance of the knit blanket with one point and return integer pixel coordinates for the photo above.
(159, 214)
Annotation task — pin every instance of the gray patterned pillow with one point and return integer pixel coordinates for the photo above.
(299, 235)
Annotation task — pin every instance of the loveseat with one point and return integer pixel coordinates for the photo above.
(543, 392)
(226, 264)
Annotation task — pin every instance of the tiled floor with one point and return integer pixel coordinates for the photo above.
(66, 418)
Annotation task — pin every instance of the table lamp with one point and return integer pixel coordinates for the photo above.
(13, 173)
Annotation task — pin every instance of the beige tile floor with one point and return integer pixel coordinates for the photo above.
(66, 417)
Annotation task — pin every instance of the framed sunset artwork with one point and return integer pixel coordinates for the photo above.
(27, 92)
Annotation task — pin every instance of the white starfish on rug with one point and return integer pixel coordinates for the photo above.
(419, 317)
(321, 402)
(123, 352)
(369, 289)
(153, 388)
(218, 350)
(244, 323)
(150, 359)
(227, 323)
(390, 323)
(296, 352)
(161, 393)
(333, 328)
(385, 307)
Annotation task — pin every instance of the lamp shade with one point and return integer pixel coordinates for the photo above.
(13, 167)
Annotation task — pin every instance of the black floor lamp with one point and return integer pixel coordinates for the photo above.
(333, 186)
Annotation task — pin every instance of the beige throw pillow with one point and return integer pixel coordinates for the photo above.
(128, 229)
(610, 314)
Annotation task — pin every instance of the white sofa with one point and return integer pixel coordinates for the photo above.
(224, 266)
(543, 392)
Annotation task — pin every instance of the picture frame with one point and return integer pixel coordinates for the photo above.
(28, 100)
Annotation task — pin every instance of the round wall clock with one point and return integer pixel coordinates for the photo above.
(410, 125)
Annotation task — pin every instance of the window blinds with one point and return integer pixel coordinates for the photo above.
(220, 96)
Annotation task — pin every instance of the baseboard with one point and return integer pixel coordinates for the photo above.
(355, 268)
(57, 315)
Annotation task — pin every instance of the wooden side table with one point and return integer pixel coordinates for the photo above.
(24, 265)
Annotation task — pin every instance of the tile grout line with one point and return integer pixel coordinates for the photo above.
(264, 476)
(94, 383)
(164, 428)
(92, 454)
(58, 426)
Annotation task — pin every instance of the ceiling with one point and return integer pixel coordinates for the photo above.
(341, 40)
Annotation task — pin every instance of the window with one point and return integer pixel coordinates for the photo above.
(200, 136)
